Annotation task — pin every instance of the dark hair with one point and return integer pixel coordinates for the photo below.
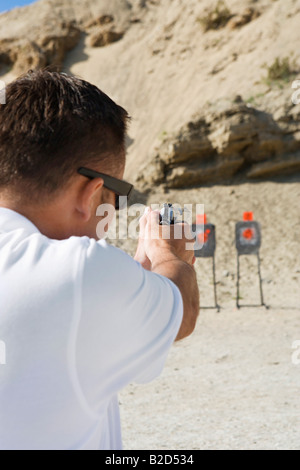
(51, 125)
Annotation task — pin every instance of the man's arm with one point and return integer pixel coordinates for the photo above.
(170, 258)
(184, 276)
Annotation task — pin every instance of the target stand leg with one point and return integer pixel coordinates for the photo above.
(238, 283)
(261, 283)
(262, 304)
(217, 306)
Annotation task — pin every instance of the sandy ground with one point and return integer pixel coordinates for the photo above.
(232, 384)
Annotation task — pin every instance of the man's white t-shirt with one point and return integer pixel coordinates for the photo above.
(80, 320)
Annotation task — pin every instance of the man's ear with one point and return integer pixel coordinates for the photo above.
(91, 190)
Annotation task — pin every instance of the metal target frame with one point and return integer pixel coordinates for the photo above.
(207, 249)
(248, 242)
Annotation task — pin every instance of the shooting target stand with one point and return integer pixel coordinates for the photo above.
(205, 247)
(248, 242)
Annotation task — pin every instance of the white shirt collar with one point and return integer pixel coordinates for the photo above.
(11, 220)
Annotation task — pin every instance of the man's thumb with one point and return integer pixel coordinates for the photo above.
(153, 224)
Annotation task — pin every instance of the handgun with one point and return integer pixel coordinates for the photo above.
(167, 215)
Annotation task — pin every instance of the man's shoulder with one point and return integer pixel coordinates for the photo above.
(88, 250)
(111, 260)
(99, 248)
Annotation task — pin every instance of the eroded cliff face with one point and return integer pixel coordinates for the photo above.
(50, 48)
(208, 84)
(41, 34)
(228, 138)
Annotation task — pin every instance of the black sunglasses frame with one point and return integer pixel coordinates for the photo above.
(119, 187)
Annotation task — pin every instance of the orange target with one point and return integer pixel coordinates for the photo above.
(248, 233)
(248, 216)
(204, 236)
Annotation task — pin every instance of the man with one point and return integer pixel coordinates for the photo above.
(80, 319)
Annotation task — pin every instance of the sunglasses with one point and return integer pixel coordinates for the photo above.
(119, 187)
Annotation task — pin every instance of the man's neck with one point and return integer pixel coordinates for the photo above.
(48, 219)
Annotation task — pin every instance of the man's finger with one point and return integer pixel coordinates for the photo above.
(152, 227)
(143, 222)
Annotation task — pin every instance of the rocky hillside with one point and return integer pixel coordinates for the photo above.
(227, 139)
(41, 34)
(208, 83)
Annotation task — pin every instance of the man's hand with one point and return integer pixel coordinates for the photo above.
(166, 240)
(140, 255)
(155, 240)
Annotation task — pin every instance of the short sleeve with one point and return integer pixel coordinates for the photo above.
(130, 317)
